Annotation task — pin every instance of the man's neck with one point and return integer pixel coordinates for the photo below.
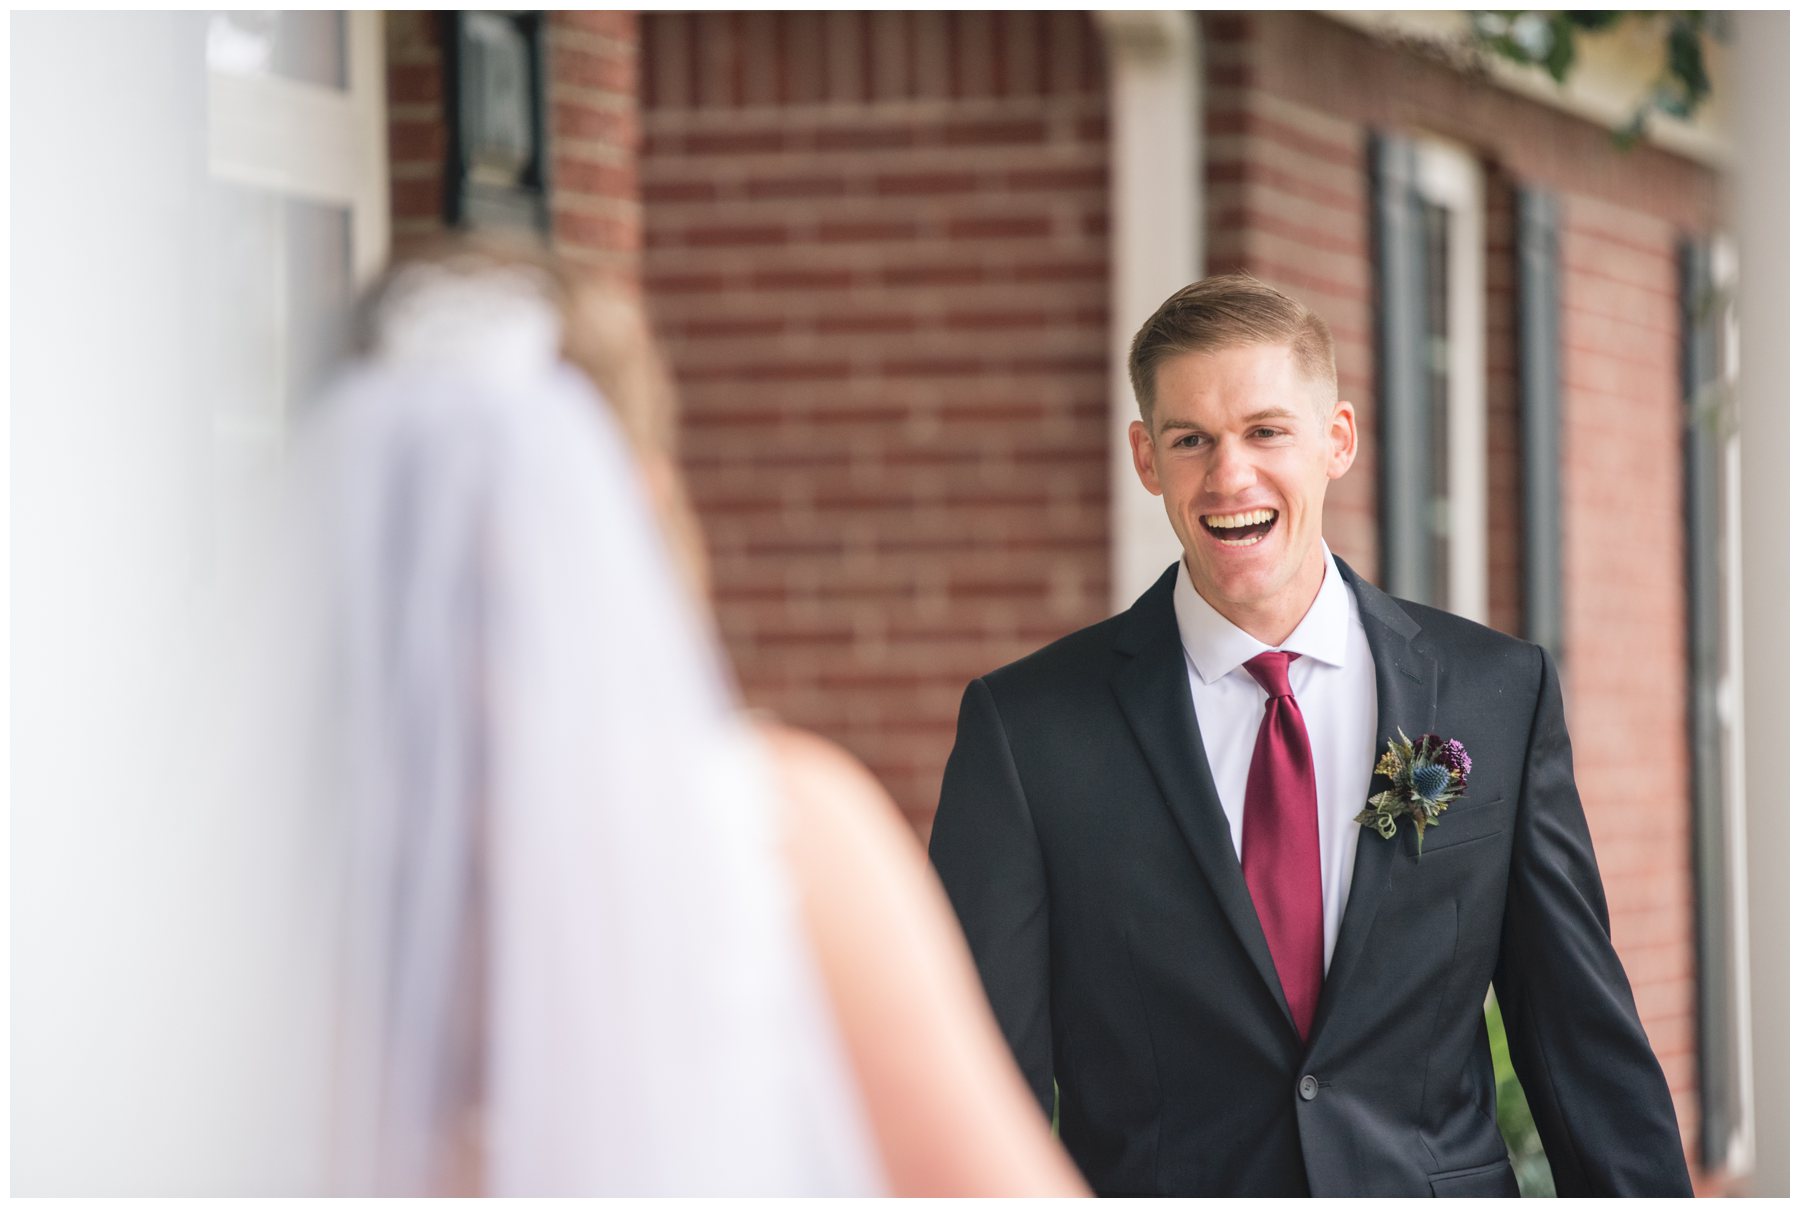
(1274, 621)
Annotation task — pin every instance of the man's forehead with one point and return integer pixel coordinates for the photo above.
(1240, 384)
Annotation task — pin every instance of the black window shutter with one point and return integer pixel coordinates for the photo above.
(1704, 537)
(1539, 299)
(1401, 347)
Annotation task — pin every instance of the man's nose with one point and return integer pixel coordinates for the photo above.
(1231, 471)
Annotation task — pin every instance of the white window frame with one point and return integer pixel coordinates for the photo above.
(312, 142)
(1449, 177)
(1734, 799)
(308, 142)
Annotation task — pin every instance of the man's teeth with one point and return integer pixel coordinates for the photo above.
(1241, 519)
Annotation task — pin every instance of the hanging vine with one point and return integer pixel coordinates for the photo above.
(1550, 42)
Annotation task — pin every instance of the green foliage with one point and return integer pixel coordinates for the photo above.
(1549, 42)
(1523, 1145)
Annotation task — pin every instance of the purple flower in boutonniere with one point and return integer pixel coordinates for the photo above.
(1427, 776)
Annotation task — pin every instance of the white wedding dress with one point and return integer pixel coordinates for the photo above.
(536, 936)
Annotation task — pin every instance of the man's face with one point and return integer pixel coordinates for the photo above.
(1241, 446)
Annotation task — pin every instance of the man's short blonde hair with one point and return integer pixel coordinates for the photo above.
(1231, 311)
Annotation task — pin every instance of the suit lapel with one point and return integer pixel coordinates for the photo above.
(1405, 699)
(1153, 691)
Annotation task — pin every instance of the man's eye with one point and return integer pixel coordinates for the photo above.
(1264, 433)
(1190, 441)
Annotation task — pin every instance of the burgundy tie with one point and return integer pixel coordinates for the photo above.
(1281, 840)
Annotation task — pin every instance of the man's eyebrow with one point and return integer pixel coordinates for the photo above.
(1188, 425)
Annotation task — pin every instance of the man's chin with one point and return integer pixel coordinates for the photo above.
(1239, 570)
(1235, 590)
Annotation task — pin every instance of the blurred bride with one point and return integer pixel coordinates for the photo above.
(577, 925)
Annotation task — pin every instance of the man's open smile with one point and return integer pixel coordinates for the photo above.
(1241, 528)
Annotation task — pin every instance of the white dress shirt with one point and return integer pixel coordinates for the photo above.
(1334, 682)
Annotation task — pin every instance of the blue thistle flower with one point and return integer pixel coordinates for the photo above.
(1430, 780)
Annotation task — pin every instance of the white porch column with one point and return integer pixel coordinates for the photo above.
(1154, 65)
(1762, 220)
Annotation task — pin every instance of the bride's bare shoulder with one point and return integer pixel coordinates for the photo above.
(819, 775)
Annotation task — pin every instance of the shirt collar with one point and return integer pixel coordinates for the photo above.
(1216, 647)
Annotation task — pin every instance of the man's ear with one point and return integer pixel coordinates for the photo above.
(1142, 456)
(1341, 433)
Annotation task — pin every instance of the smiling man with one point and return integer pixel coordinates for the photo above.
(1243, 975)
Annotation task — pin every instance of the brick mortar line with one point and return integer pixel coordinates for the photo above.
(1270, 153)
(727, 119)
(927, 318)
(900, 251)
(1266, 202)
(1025, 157)
(1283, 186)
(864, 199)
(564, 36)
(896, 161)
(1332, 156)
(1303, 116)
(877, 261)
(1073, 338)
(591, 152)
(590, 206)
(1596, 244)
(1612, 283)
(627, 254)
(1058, 137)
(1343, 266)
(591, 94)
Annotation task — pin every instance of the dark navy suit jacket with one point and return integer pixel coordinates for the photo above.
(1085, 851)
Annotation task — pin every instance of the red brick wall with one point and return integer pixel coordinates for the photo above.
(592, 62)
(1286, 199)
(877, 254)
(1625, 601)
(1290, 100)
(1505, 519)
(596, 214)
(417, 146)
(875, 245)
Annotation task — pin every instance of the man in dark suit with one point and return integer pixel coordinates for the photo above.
(1149, 832)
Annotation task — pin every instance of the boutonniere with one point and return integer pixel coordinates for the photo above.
(1427, 776)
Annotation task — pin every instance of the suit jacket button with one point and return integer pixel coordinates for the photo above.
(1309, 1088)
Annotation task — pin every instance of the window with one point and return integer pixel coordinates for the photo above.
(1432, 424)
(297, 158)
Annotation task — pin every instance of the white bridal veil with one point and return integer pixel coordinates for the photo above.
(550, 935)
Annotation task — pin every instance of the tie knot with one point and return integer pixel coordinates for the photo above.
(1270, 669)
